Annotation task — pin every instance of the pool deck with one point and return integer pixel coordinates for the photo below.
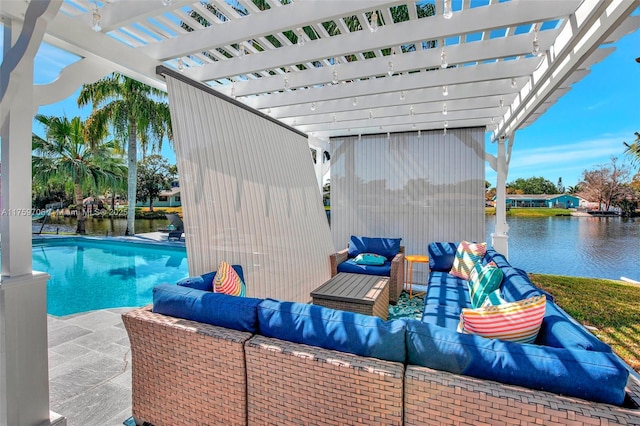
(148, 238)
(90, 368)
(90, 360)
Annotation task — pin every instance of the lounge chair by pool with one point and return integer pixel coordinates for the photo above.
(178, 226)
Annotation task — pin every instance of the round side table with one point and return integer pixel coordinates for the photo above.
(408, 273)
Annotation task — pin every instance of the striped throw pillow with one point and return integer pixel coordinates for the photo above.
(483, 280)
(494, 299)
(515, 321)
(467, 255)
(228, 281)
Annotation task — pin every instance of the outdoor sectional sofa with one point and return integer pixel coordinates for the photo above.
(211, 359)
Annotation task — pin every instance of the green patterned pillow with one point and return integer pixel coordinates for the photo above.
(484, 280)
(494, 299)
(467, 255)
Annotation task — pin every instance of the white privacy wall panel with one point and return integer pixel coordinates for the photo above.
(422, 189)
(249, 196)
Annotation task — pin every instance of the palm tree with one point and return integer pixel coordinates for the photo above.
(633, 149)
(137, 114)
(64, 153)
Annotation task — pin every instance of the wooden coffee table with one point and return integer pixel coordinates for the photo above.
(364, 294)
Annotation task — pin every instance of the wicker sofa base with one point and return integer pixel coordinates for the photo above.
(295, 384)
(434, 397)
(185, 372)
(190, 373)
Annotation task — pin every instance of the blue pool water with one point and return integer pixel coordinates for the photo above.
(93, 274)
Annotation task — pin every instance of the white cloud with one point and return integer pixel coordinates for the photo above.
(566, 160)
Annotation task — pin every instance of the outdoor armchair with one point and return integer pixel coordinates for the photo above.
(393, 267)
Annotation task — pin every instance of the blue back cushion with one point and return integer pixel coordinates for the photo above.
(350, 266)
(238, 313)
(516, 285)
(387, 247)
(197, 283)
(204, 282)
(498, 258)
(595, 376)
(559, 330)
(441, 255)
(332, 329)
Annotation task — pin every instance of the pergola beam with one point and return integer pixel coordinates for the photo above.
(405, 62)
(489, 106)
(271, 22)
(85, 42)
(396, 84)
(594, 22)
(461, 91)
(474, 20)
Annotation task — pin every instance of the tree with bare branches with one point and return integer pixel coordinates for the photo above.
(607, 185)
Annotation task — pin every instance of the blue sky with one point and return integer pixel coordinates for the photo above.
(586, 126)
(580, 132)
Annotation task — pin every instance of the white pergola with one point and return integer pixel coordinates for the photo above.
(325, 67)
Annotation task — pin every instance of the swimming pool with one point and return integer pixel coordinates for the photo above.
(89, 274)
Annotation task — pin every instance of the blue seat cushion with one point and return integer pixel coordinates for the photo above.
(559, 330)
(387, 247)
(442, 316)
(441, 255)
(204, 282)
(238, 313)
(332, 329)
(595, 376)
(446, 290)
(351, 266)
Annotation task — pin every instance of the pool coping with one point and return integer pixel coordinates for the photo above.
(150, 238)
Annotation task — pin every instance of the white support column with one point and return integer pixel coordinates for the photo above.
(320, 167)
(24, 369)
(500, 238)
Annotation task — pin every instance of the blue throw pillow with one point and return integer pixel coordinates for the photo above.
(204, 282)
(369, 259)
(441, 255)
(387, 247)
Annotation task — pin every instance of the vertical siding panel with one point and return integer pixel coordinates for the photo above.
(250, 196)
(429, 188)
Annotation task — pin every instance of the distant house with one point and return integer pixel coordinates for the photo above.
(563, 201)
(167, 198)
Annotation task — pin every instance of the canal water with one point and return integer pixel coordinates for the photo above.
(104, 227)
(597, 247)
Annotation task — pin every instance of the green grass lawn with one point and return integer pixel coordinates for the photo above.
(612, 307)
(531, 212)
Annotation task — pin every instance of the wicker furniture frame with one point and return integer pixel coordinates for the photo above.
(296, 384)
(434, 397)
(396, 278)
(185, 372)
(189, 373)
(364, 294)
